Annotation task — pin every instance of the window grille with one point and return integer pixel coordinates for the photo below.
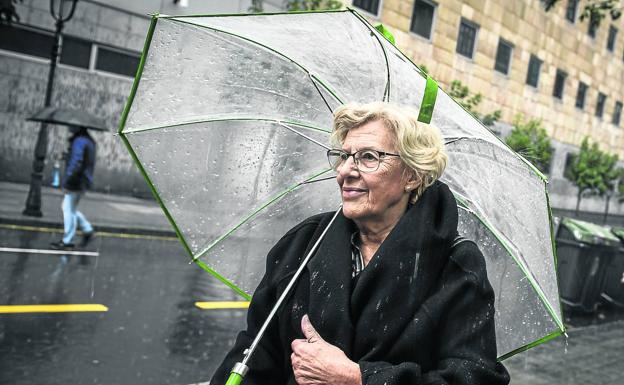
(466, 38)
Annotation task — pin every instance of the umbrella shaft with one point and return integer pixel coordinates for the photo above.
(255, 342)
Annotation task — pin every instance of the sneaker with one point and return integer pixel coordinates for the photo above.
(60, 245)
(86, 238)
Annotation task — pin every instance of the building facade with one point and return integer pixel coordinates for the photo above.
(523, 60)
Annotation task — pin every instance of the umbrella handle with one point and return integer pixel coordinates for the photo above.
(238, 372)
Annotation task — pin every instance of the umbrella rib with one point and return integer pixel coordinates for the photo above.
(525, 271)
(303, 68)
(242, 118)
(272, 200)
(303, 135)
(375, 33)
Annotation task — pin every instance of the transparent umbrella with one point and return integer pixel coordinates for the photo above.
(229, 120)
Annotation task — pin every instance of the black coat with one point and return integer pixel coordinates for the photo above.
(421, 312)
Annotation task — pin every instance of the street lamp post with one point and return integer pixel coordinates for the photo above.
(62, 11)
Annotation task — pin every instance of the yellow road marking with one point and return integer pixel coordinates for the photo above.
(222, 305)
(42, 229)
(69, 308)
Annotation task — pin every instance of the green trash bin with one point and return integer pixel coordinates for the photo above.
(584, 252)
(613, 291)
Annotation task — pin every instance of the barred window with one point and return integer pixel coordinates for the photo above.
(571, 10)
(467, 38)
(560, 79)
(534, 70)
(76, 52)
(594, 23)
(611, 39)
(581, 93)
(28, 41)
(600, 103)
(422, 18)
(617, 113)
(117, 61)
(370, 6)
(503, 56)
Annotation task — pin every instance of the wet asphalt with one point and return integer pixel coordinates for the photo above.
(153, 332)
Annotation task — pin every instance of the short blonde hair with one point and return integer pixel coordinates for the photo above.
(420, 145)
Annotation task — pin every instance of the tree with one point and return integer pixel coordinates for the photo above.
(530, 140)
(592, 171)
(8, 14)
(461, 94)
(300, 5)
(594, 10)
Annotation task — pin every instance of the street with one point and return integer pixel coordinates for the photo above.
(153, 332)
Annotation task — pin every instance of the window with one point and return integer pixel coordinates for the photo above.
(617, 113)
(534, 69)
(594, 23)
(600, 103)
(611, 39)
(503, 56)
(370, 6)
(467, 37)
(27, 41)
(117, 61)
(76, 52)
(571, 10)
(560, 79)
(422, 18)
(580, 95)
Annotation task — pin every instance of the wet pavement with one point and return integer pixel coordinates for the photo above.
(153, 333)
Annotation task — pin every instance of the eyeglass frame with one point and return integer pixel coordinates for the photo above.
(356, 161)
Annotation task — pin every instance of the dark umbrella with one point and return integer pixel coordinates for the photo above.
(69, 117)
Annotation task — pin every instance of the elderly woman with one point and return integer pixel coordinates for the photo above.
(391, 296)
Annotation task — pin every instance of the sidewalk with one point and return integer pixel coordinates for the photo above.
(107, 212)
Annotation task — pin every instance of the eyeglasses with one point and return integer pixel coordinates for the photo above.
(365, 160)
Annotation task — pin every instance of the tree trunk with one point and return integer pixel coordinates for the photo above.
(578, 204)
(606, 212)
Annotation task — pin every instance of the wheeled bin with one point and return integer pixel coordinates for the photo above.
(613, 291)
(584, 252)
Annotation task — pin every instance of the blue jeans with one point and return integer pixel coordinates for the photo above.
(72, 218)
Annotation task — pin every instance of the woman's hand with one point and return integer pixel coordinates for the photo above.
(316, 362)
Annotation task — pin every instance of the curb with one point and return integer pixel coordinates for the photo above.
(100, 228)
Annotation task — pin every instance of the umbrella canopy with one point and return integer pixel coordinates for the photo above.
(68, 117)
(229, 120)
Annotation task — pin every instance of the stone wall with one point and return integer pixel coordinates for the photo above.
(23, 80)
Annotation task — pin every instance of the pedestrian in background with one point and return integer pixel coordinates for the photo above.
(77, 179)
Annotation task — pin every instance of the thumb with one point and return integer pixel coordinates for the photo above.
(308, 330)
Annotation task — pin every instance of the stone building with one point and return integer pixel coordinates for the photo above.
(523, 60)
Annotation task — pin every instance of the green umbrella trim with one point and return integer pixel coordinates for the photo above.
(546, 338)
(525, 271)
(428, 102)
(252, 118)
(323, 83)
(252, 14)
(257, 211)
(124, 139)
(554, 247)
